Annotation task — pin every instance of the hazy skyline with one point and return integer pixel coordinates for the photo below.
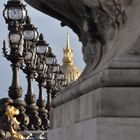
(53, 33)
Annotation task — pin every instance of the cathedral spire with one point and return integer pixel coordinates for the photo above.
(68, 41)
(71, 72)
(68, 53)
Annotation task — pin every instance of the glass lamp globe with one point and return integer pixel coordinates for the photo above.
(63, 82)
(55, 68)
(15, 11)
(50, 57)
(29, 31)
(15, 37)
(42, 68)
(28, 56)
(60, 75)
(41, 46)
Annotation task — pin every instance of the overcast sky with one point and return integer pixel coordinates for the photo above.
(54, 34)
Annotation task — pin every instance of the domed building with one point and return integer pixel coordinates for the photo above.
(71, 72)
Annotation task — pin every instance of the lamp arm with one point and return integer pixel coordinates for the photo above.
(36, 76)
(22, 67)
(21, 55)
(5, 52)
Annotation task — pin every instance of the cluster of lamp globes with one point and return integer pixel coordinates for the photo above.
(24, 38)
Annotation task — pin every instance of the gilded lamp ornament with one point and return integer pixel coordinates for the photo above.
(8, 122)
(11, 111)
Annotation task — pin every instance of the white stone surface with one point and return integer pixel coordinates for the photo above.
(103, 102)
(104, 114)
(99, 129)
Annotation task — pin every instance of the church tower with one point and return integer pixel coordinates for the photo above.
(71, 72)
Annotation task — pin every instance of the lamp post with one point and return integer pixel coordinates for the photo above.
(31, 108)
(41, 50)
(60, 80)
(55, 70)
(50, 61)
(23, 55)
(15, 40)
(15, 57)
(29, 68)
(41, 102)
(54, 78)
(15, 14)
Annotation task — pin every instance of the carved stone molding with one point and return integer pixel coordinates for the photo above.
(96, 22)
(109, 31)
(109, 86)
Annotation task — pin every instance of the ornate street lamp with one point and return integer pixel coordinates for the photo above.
(60, 80)
(49, 87)
(15, 91)
(30, 60)
(55, 70)
(14, 11)
(41, 103)
(29, 68)
(41, 50)
(50, 62)
(15, 41)
(31, 56)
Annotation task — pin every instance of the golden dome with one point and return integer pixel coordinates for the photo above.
(71, 72)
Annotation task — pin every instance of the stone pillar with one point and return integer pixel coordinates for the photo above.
(104, 103)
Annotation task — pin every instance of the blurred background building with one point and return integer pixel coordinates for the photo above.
(70, 70)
